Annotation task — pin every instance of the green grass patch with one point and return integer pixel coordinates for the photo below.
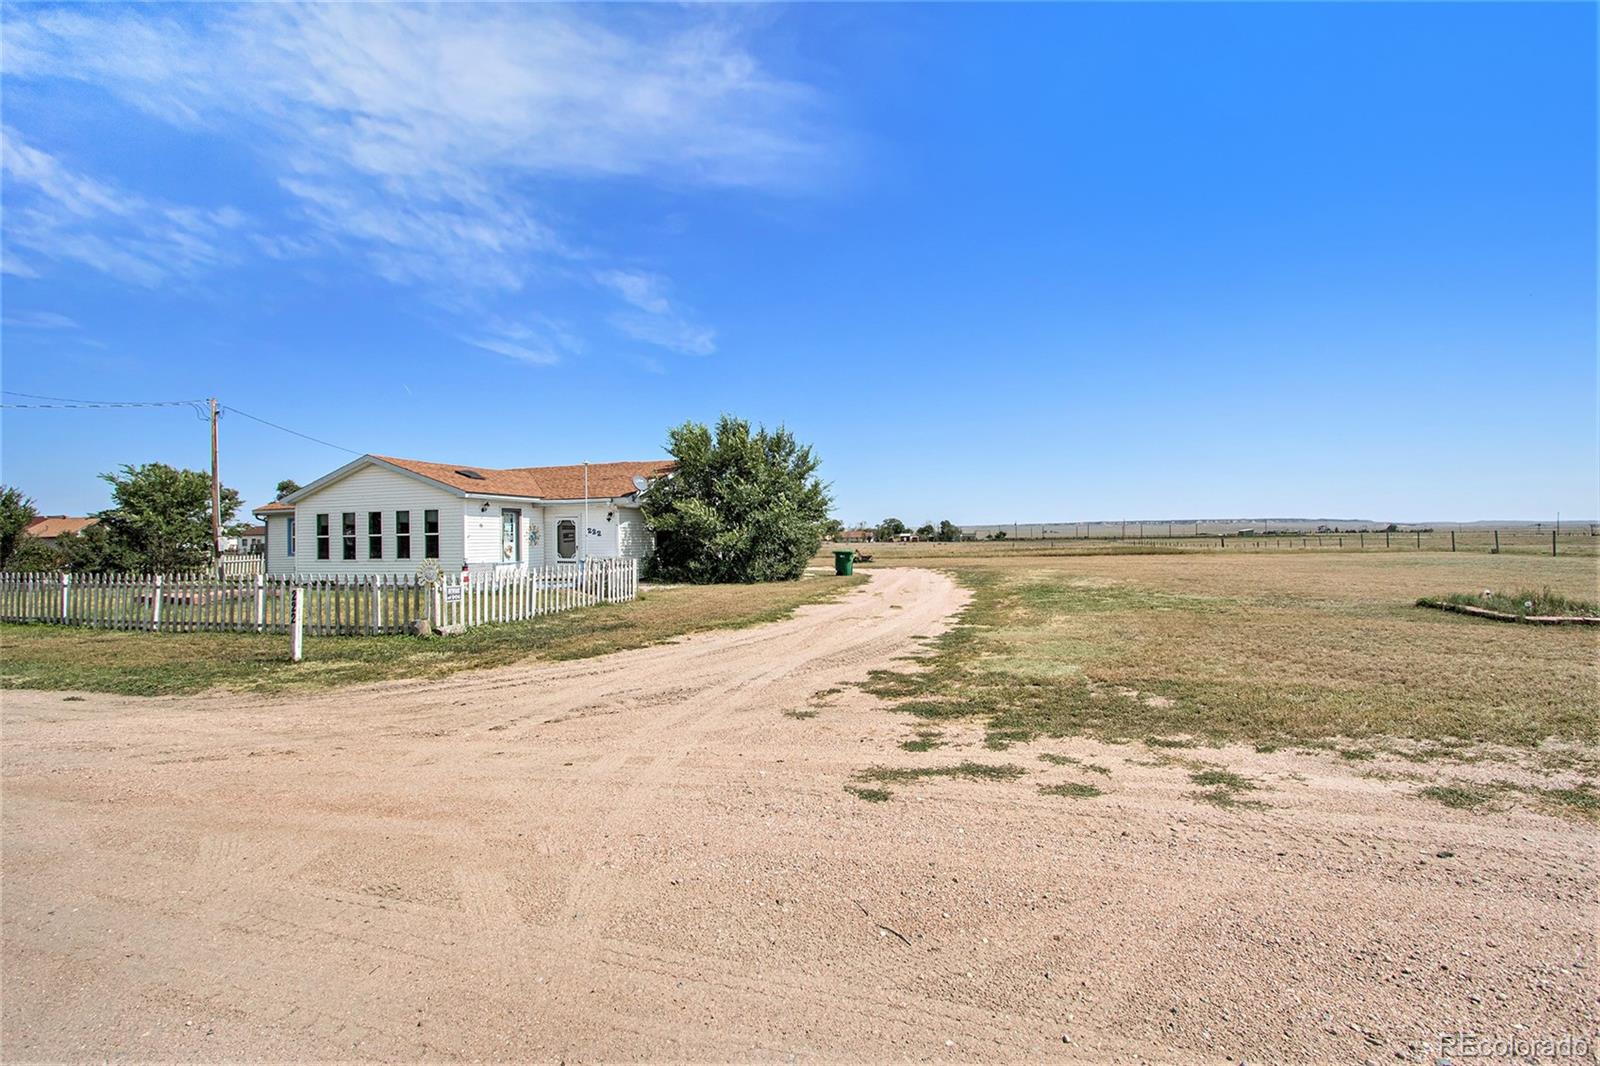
(1357, 754)
(976, 770)
(1522, 603)
(1222, 778)
(1461, 797)
(802, 713)
(1068, 760)
(1073, 789)
(925, 740)
(871, 795)
(161, 664)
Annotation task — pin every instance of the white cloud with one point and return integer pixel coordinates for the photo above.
(56, 213)
(644, 291)
(667, 331)
(539, 341)
(38, 320)
(425, 139)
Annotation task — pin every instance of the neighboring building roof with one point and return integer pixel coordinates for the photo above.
(606, 480)
(59, 525)
(253, 531)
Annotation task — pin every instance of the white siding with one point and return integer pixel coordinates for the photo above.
(635, 541)
(375, 488)
(278, 561)
(482, 534)
(601, 543)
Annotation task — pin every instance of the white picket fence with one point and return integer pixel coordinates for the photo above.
(339, 605)
(517, 596)
(241, 565)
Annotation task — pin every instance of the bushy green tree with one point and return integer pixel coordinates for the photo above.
(926, 531)
(948, 530)
(832, 528)
(739, 506)
(286, 487)
(160, 521)
(95, 551)
(16, 514)
(890, 528)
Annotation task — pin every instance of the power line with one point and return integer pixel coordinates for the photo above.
(66, 402)
(293, 432)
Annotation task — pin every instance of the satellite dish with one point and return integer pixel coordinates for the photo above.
(640, 483)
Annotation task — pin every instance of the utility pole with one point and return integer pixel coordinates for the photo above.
(216, 488)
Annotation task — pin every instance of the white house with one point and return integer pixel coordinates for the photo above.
(381, 515)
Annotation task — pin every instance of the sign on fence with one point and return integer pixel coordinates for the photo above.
(452, 593)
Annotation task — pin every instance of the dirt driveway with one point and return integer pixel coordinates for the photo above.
(643, 857)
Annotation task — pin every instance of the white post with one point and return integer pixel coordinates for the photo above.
(297, 618)
(155, 607)
(261, 602)
(377, 604)
(66, 582)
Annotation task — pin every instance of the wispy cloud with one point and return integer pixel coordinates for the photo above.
(417, 137)
(38, 320)
(654, 320)
(55, 212)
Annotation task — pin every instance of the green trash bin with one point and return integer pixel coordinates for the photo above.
(844, 562)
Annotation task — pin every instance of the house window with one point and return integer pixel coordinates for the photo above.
(289, 543)
(567, 538)
(348, 529)
(402, 534)
(322, 537)
(430, 534)
(374, 534)
(511, 534)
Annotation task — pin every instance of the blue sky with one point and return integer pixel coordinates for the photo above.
(998, 263)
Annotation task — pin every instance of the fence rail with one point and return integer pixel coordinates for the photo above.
(344, 605)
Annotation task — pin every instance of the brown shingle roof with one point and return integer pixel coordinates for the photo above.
(275, 505)
(541, 482)
(57, 525)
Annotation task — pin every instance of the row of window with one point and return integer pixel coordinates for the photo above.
(348, 539)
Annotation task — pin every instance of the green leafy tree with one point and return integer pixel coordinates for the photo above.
(739, 506)
(948, 530)
(998, 534)
(926, 531)
(94, 551)
(831, 529)
(890, 528)
(160, 521)
(287, 486)
(16, 514)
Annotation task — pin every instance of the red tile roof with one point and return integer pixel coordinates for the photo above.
(57, 525)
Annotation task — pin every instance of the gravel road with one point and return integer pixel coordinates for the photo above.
(643, 857)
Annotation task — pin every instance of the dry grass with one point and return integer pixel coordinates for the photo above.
(1273, 649)
(148, 664)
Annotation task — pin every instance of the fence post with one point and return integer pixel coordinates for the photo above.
(261, 602)
(297, 618)
(377, 604)
(1552, 542)
(1419, 538)
(1497, 542)
(1452, 540)
(155, 607)
(66, 583)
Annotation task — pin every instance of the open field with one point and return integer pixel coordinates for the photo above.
(726, 847)
(1577, 541)
(1291, 648)
(150, 664)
